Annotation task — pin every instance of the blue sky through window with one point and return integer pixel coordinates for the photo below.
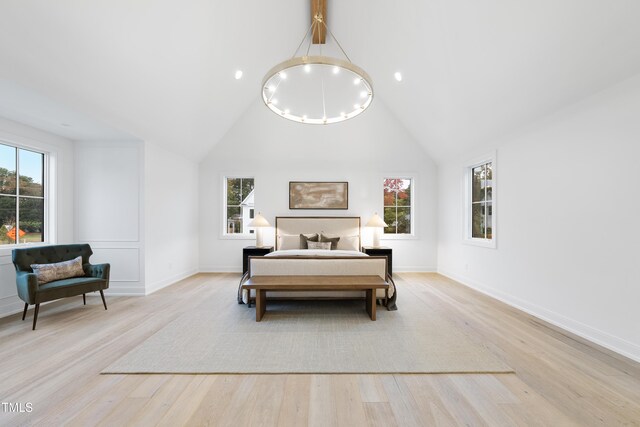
(31, 165)
(30, 162)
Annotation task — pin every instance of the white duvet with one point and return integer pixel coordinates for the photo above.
(316, 252)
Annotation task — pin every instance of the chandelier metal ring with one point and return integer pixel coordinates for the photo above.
(341, 78)
(317, 89)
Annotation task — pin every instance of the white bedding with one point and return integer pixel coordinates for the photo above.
(316, 252)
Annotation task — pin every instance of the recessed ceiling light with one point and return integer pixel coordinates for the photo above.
(357, 80)
(336, 70)
(364, 94)
(274, 101)
(286, 111)
(398, 76)
(271, 88)
(307, 68)
(238, 74)
(282, 75)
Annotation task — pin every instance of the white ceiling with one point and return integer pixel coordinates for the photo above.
(163, 71)
(25, 106)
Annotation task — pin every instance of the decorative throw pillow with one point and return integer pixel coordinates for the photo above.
(59, 270)
(349, 243)
(326, 246)
(333, 240)
(288, 242)
(304, 238)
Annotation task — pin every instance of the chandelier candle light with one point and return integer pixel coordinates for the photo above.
(259, 222)
(377, 224)
(317, 89)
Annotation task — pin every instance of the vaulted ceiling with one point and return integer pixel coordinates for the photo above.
(163, 70)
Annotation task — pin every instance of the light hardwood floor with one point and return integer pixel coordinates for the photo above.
(560, 379)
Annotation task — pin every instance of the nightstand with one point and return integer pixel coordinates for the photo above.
(381, 251)
(253, 251)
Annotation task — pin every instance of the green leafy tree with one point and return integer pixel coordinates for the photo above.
(31, 210)
(397, 205)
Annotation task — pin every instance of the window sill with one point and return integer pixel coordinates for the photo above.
(237, 237)
(6, 249)
(398, 237)
(483, 243)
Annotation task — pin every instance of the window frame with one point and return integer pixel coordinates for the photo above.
(468, 203)
(404, 236)
(48, 234)
(223, 223)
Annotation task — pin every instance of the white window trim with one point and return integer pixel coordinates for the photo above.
(412, 235)
(49, 237)
(466, 203)
(223, 223)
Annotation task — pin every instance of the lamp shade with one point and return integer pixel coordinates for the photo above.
(259, 221)
(376, 221)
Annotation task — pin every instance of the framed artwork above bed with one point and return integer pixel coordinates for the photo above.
(318, 195)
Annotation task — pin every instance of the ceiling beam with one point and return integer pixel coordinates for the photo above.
(319, 31)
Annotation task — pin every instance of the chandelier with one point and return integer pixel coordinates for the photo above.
(317, 89)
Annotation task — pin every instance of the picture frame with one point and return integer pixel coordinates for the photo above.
(318, 195)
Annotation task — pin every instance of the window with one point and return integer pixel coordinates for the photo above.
(239, 196)
(398, 205)
(480, 203)
(22, 200)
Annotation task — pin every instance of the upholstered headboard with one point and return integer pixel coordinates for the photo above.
(330, 225)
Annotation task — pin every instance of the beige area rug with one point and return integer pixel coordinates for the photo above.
(221, 336)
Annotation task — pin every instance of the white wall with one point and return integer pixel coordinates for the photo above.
(567, 221)
(109, 188)
(171, 223)
(275, 151)
(61, 177)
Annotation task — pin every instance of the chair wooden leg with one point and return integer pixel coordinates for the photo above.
(24, 313)
(84, 299)
(35, 316)
(103, 300)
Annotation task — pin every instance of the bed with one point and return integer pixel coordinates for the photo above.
(344, 259)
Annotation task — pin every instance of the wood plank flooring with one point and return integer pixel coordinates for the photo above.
(560, 380)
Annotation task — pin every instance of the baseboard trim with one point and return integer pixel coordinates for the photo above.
(235, 269)
(220, 269)
(11, 304)
(596, 336)
(117, 290)
(417, 269)
(161, 284)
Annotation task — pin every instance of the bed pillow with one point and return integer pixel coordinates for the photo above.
(334, 241)
(288, 241)
(326, 246)
(349, 243)
(59, 270)
(304, 238)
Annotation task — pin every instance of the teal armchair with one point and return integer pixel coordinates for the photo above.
(96, 276)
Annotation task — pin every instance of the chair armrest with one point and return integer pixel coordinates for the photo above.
(101, 271)
(27, 284)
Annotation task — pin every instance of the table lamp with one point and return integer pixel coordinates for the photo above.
(377, 223)
(259, 222)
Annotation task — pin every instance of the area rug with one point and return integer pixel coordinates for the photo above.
(323, 337)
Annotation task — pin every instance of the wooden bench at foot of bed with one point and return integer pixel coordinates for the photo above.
(264, 284)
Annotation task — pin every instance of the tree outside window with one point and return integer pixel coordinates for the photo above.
(481, 201)
(398, 205)
(21, 200)
(239, 205)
